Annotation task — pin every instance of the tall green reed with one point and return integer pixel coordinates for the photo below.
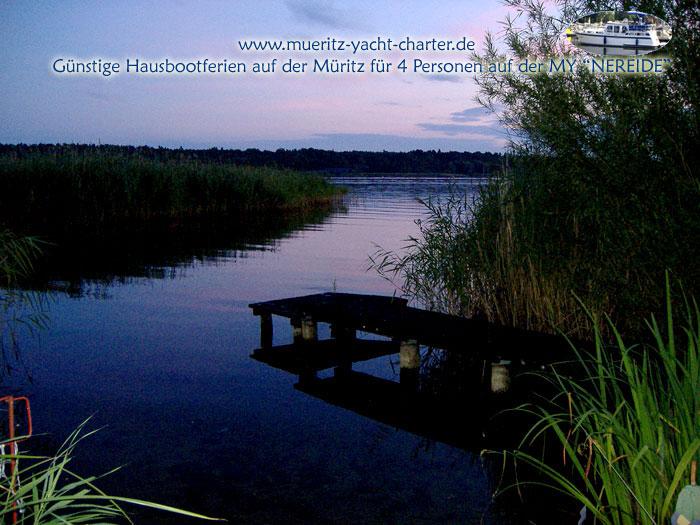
(20, 310)
(627, 426)
(474, 257)
(522, 250)
(45, 490)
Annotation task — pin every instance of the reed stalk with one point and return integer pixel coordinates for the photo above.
(44, 490)
(628, 426)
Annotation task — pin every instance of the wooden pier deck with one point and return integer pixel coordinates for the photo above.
(393, 318)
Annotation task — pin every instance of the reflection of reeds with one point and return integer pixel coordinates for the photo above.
(17, 255)
(91, 265)
(94, 190)
(20, 311)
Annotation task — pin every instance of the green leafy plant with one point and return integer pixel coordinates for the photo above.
(599, 196)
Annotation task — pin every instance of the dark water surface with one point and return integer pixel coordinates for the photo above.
(162, 361)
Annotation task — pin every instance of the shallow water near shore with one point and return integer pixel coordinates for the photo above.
(161, 359)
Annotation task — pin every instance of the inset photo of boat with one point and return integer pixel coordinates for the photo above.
(619, 33)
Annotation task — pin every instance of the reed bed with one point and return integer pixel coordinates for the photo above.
(93, 189)
(469, 260)
(626, 430)
(534, 241)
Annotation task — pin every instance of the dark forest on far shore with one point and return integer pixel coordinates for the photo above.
(306, 159)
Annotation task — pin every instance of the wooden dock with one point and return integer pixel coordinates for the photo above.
(392, 317)
(403, 404)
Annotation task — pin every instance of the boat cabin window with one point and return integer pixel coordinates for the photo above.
(617, 29)
(609, 29)
(624, 29)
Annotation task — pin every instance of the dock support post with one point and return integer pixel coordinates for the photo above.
(296, 330)
(265, 330)
(309, 329)
(409, 356)
(500, 377)
(409, 363)
(344, 337)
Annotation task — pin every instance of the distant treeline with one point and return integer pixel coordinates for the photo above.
(306, 159)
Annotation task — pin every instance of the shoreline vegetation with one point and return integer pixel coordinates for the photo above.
(77, 191)
(583, 234)
(625, 425)
(592, 232)
(599, 200)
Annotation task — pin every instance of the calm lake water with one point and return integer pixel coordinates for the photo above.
(161, 359)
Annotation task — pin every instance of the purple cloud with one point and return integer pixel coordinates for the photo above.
(470, 115)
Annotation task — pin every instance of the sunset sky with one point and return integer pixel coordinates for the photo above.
(395, 112)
